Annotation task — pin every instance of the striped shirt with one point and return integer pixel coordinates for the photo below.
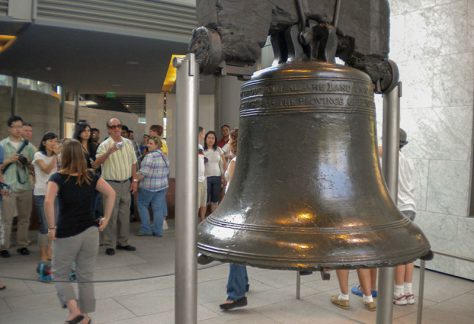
(118, 166)
(155, 169)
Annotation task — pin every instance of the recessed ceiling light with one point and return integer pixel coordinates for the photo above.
(127, 106)
(133, 62)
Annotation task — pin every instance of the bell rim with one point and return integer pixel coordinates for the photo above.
(295, 263)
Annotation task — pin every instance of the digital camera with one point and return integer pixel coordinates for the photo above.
(23, 160)
(4, 186)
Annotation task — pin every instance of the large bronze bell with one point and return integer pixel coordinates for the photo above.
(308, 191)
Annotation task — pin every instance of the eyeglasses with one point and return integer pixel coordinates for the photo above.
(114, 126)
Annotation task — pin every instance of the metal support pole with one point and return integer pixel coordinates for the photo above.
(14, 89)
(421, 292)
(187, 91)
(62, 99)
(298, 285)
(76, 106)
(390, 146)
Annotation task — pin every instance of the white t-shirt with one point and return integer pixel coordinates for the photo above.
(406, 188)
(201, 167)
(42, 177)
(214, 165)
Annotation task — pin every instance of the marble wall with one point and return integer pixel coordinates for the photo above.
(432, 43)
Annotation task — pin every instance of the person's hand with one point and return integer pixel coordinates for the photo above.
(103, 223)
(14, 158)
(57, 149)
(52, 234)
(112, 149)
(133, 187)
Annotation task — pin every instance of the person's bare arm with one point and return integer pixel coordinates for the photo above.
(109, 195)
(45, 167)
(51, 192)
(134, 184)
(231, 170)
(100, 158)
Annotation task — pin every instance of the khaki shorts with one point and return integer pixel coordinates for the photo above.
(202, 194)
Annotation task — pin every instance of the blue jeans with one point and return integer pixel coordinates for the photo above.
(213, 189)
(157, 200)
(43, 224)
(237, 283)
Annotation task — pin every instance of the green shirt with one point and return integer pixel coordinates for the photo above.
(17, 176)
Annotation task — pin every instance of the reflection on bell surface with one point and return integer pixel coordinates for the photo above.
(307, 190)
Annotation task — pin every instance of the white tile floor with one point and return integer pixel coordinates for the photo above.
(271, 297)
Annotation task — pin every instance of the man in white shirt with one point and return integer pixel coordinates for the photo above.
(403, 293)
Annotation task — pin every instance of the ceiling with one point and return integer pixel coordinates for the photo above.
(90, 62)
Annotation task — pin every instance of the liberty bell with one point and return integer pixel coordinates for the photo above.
(308, 192)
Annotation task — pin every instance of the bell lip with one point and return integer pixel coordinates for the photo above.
(293, 264)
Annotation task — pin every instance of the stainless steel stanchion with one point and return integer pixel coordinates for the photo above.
(187, 91)
(421, 292)
(390, 145)
(298, 285)
(76, 106)
(62, 96)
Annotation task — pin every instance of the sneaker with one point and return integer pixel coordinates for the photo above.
(400, 300)
(144, 234)
(370, 306)
(109, 251)
(23, 251)
(241, 302)
(358, 292)
(72, 276)
(5, 254)
(410, 299)
(344, 304)
(126, 247)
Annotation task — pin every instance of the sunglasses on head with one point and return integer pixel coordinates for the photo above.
(114, 126)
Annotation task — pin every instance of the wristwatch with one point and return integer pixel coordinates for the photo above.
(135, 180)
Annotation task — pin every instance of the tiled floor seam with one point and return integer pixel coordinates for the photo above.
(132, 312)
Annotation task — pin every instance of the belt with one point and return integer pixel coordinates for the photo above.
(118, 181)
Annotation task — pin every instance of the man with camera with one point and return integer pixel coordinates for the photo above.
(18, 154)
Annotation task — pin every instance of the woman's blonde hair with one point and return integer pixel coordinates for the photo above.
(73, 161)
(235, 136)
(157, 140)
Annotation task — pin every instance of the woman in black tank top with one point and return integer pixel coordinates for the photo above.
(75, 233)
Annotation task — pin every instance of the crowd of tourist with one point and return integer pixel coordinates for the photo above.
(82, 186)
